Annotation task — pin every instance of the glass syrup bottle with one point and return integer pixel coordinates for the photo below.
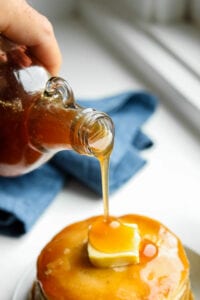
(39, 115)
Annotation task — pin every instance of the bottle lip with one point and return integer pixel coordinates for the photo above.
(85, 121)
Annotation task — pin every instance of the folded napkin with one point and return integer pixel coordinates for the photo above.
(23, 199)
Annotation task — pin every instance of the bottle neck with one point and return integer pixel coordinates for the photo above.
(56, 123)
(92, 133)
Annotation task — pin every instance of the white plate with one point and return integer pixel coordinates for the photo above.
(24, 286)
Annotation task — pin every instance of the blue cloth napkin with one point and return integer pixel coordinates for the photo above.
(23, 199)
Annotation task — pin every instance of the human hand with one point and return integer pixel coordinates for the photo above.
(24, 25)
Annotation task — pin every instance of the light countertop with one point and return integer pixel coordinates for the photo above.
(167, 188)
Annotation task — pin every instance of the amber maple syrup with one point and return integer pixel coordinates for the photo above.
(104, 165)
(39, 116)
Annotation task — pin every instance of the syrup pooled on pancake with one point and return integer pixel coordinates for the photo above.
(64, 270)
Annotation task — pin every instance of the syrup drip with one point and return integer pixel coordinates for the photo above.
(102, 149)
(104, 165)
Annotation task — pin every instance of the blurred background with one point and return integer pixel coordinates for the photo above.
(158, 41)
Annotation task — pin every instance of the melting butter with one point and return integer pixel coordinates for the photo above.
(112, 243)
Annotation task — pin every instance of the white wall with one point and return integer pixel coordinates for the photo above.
(160, 10)
(163, 11)
(54, 9)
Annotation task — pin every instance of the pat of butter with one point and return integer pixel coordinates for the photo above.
(113, 244)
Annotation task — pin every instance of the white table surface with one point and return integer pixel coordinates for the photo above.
(167, 188)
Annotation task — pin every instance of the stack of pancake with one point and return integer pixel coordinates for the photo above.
(65, 272)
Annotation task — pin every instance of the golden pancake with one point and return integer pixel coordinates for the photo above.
(64, 271)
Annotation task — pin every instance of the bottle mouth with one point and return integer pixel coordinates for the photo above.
(92, 133)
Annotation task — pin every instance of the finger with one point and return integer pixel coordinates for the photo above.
(24, 25)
